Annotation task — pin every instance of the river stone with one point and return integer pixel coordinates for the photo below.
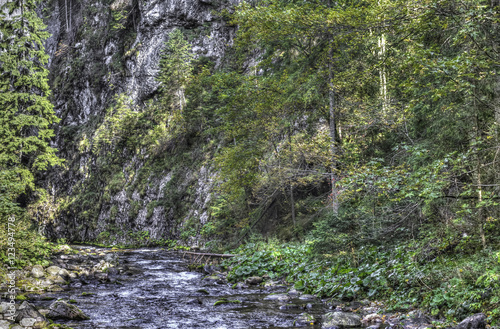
(4, 307)
(278, 297)
(54, 288)
(56, 279)
(27, 322)
(305, 319)
(62, 310)
(37, 271)
(341, 319)
(28, 311)
(17, 327)
(307, 297)
(64, 273)
(4, 324)
(53, 270)
(254, 280)
(476, 321)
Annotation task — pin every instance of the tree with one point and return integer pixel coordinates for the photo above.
(26, 113)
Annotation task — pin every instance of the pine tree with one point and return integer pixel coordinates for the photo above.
(26, 113)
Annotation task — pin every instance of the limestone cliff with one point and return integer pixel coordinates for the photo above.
(100, 49)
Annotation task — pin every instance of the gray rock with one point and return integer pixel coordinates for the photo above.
(17, 327)
(341, 319)
(305, 319)
(4, 324)
(56, 279)
(53, 270)
(254, 280)
(307, 297)
(37, 271)
(60, 309)
(4, 307)
(54, 288)
(476, 321)
(64, 273)
(278, 297)
(28, 311)
(27, 322)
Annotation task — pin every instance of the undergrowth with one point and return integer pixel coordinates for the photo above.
(450, 286)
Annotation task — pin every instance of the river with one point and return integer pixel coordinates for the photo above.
(163, 293)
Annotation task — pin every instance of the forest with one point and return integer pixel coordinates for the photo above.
(353, 147)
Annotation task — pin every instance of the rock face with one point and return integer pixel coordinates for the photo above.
(62, 310)
(476, 321)
(103, 49)
(29, 316)
(341, 319)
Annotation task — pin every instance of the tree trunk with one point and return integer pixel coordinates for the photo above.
(292, 202)
(331, 98)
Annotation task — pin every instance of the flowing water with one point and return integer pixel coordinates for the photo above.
(165, 294)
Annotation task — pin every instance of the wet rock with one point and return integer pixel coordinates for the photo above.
(417, 319)
(16, 327)
(4, 324)
(131, 270)
(305, 319)
(293, 292)
(278, 297)
(27, 322)
(28, 311)
(62, 310)
(64, 273)
(307, 297)
(254, 280)
(341, 319)
(370, 318)
(53, 270)
(374, 326)
(194, 301)
(210, 269)
(56, 279)
(54, 288)
(111, 257)
(37, 271)
(240, 285)
(291, 307)
(212, 279)
(4, 307)
(101, 276)
(476, 321)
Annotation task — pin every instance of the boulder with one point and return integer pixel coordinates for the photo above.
(476, 321)
(30, 315)
(60, 309)
(37, 271)
(64, 273)
(341, 319)
(53, 270)
(56, 279)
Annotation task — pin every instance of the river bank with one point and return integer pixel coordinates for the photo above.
(154, 288)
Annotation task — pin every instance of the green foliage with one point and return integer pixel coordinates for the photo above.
(406, 277)
(27, 114)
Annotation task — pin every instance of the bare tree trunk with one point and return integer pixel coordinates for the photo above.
(66, 10)
(292, 202)
(383, 75)
(331, 98)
